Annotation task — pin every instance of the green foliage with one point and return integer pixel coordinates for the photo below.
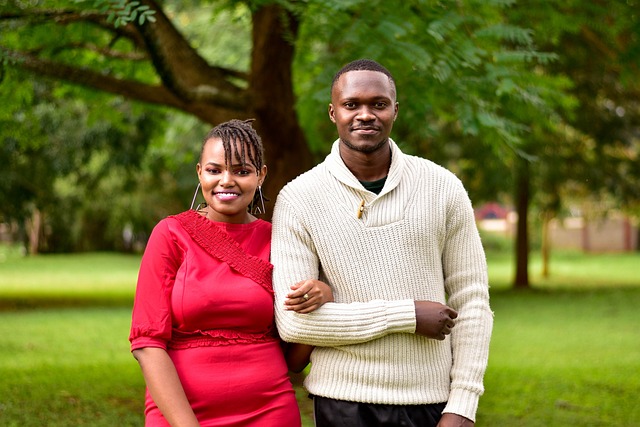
(77, 165)
(591, 148)
(122, 12)
(456, 67)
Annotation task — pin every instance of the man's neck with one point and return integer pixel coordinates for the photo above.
(367, 166)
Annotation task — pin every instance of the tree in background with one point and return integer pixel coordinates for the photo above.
(145, 57)
(592, 148)
(454, 55)
(476, 93)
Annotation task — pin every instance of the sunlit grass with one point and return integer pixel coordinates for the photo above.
(63, 280)
(570, 270)
(68, 367)
(564, 358)
(564, 353)
(76, 273)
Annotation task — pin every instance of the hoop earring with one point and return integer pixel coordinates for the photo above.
(194, 198)
(255, 210)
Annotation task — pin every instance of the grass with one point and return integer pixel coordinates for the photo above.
(565, 353)
(61, 280)
(564, 358)
(570, 270)
(68, 367)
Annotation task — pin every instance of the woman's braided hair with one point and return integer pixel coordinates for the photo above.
(237, 137)
(241, 141)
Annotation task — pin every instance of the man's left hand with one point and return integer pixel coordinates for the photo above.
(454, 420)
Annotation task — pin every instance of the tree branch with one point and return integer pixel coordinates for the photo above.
(106, 52)
(159, 95)
(67, 17)
(170, 51)
(181, 69)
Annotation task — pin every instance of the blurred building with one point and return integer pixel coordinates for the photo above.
(614, 232)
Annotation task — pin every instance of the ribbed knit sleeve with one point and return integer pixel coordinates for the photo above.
(466, 283)
(295, 259)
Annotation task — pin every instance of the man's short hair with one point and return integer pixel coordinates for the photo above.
(363, 65)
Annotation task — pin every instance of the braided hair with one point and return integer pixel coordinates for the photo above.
(241, 141)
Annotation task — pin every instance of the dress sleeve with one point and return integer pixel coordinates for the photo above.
(151, 319)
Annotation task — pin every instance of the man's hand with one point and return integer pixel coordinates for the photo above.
(454, 420)
(434, 320)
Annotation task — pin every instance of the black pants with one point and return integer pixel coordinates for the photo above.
(340, 413)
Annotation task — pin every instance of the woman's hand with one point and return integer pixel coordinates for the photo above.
(307, 296)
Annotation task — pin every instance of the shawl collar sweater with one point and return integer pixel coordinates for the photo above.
(416, 240)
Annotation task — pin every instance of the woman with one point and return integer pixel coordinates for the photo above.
(203, 323)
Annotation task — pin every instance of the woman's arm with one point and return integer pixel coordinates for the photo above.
(297, 356)
(164, 386)
(317, 293)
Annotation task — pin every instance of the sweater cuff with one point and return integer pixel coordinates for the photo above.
(463, 402)
(401, 316)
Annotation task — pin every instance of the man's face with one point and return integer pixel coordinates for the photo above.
(363, 107)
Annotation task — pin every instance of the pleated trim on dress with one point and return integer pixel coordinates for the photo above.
(181, 340)
(220, 245)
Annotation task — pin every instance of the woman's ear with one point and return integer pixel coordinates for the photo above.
(262, 174)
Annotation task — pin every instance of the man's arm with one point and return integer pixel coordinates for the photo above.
(433, 320)
(296, 266)
(466, 283)
(295, 260)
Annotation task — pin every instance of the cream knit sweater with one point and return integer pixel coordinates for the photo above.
(416, 240)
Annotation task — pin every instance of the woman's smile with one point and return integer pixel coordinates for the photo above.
(226, 196)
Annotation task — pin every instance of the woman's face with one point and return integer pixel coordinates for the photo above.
(227, 189)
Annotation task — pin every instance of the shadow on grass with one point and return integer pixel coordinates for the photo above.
(43, 301)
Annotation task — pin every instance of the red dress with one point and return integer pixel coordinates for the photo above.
(204, 294)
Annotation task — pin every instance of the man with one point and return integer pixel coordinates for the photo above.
(394, 236)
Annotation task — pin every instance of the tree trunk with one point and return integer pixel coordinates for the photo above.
(273, 101)
(521, 280)
(546, 244)
(34, 232)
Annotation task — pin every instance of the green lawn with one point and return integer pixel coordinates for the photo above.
(80, 279)
(68, 367)
(565, 353)
(561, 358)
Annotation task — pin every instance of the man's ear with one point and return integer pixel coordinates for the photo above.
(332, 113)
